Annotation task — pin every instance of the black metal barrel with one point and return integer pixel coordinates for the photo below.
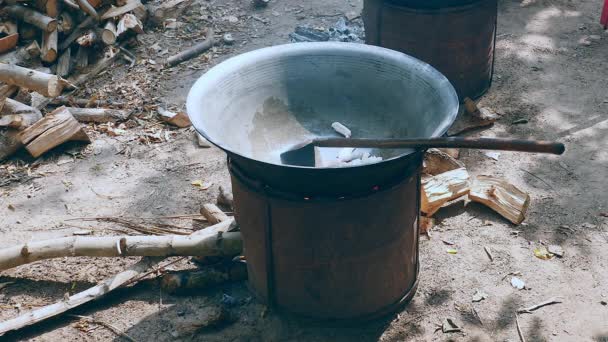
(457, 37)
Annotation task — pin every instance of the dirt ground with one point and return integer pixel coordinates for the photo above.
(543, 74)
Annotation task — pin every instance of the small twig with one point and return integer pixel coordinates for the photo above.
(540, 179)
(550, 301)
(488, 252)
(519, 332)
(159, 269)
(110, 327)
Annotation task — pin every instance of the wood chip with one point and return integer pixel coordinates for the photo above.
(502, 197)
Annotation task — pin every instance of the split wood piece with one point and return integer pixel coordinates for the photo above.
(32, 49)
(71, 4)
(442, 188)
(213, 214)
(55, 129)
(30, 16)
(82, 58)
(436, 162)
(471, 107)
(48, 51)
(225, 197)
(502, 197)
(78, 299)
(426, 224)
(226, 244)
(11, 36)
(102, 64)
(202, 141)
(8, 90)
(108, 34)
(89, 38)
(118, 11)
(140, 13)
(129, 22)
(87, 8)
(186, 281)
(193, 51)
(99, 115)
(452, 152)
(64, 64)
(9, 143)
(167, 9)
(17, 115)
(66, 23)
(52, 8)
(179, 119)
(45, 84)
(70, 101)
(472, 118)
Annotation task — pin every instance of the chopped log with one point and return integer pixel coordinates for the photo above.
(108, 34)
(101, 64)
(179, 119)
(129, 22)
(8, 90)
(436, 162)
(167, 9)
(469, 122)
(46, 84)
(225, 197)
(71, 4)
(77, 32)
(52, 310)
(48, 52)
(87, 8)
(426, 224)
(66, 23)
(52, 9)
(452, 152)
(118, 11)
(55, 129)
(140, 13)
(64, 64)
(9, 41)
(89, 38)
(213, 214)
(82, 58)
(30, 16)
(17, 115)
(186, 281)
(9, 142)
(99, 115)
(33, 49)
(193, 51)
(502, 197)
(442, 188)
(70, 101)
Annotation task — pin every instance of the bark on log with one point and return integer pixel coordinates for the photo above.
(436, 162)
(17, 115)
(213, 214)
(8, 90)
(85, 24)
(30, 16)
(89, 38)
(211, 241)
(223, 244)
(55, 129)
(82, 58)
(71, 4)
(52, 9)
(87, 8)
(442, 188)
(502, 197)
(64, 64)
(193, 51)
(48, 52)
(99, 115)
(9, 142)
(185, 281)
(46, 84)
(66, 23)
(108, 34)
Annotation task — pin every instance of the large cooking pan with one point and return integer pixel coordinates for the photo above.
(258, 104)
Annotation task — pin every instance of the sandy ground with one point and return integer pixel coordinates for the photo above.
(543, 74)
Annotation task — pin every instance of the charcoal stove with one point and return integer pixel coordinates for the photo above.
(324, 242)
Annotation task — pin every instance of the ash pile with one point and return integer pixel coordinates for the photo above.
(343, 30)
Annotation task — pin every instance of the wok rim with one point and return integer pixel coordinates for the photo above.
(233, 64)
